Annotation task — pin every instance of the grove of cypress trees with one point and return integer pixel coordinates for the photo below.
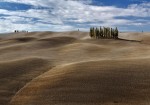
(105, 32)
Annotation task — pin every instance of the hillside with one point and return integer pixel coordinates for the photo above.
(60, 68)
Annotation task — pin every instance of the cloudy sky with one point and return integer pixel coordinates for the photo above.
(66, 15)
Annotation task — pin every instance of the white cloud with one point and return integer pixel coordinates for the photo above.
(64, 14)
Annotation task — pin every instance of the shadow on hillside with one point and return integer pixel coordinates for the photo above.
(24, 39)
(129, 40)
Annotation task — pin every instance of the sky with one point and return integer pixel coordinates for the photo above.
(70, 15)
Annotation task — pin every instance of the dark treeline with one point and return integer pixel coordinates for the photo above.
(16, 31)
(104, 32)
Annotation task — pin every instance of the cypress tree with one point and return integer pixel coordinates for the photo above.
(107, 32)
(116, 33)
(111, 33)
(97, 33)
(101, 32)
(91, 34)
(94, 32)
(104, 32)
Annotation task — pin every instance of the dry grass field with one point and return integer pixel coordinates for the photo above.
(70, 68)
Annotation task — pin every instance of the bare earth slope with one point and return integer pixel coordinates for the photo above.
(105, 82)
(69, 68)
